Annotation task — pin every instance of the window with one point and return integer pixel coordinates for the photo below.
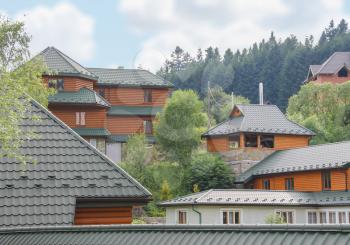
(234, 141)
(312, 217)
(341, 217)
(93, 142)
(182, 217)
(147, 127)
(56, 83)
(80, 118)
(332, 217)
(101, 92)
(323, 217)
(343, 72)
(289, 183)
(147, 93)
(231, 217)
(287, 216)
(251, 140)
(326, 180)
(267, 141)
(266, 184)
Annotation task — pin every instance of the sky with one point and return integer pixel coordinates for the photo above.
(143, 33)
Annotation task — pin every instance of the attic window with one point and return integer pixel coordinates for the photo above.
(343, 72)
(57, 84)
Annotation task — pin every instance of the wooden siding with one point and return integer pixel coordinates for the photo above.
(305, 180)
(103, 215)
(290, 141)
(126, 124)
(217, 144)
(94, 117)
(221, 143)
(331, 78)
(133, 96)
(72, 83)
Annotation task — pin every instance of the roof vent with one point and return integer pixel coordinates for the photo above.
(92, 185)
(9, 186)
(78, 176)
(261, 93)
(65, 185)
(24, 177)
(51, 176)
(105, 176)
(38, 185)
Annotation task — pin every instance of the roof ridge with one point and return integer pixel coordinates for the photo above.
(85, 143)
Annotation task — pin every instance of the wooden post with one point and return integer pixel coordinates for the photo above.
(241, 140)
(258, 141)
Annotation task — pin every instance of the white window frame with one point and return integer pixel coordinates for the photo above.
(317, 216)
(93, 142)
(327, 212)
(80, 118)
(287, 210)
(231, 210)
(177, 216)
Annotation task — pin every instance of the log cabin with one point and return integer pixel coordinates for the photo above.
(255, 128)
(70, 182)
(314, 168)
(105, 106)
(334, 70)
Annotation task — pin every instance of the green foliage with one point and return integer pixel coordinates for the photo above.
(282, 64)
(20, 82)
(274, 219)
(138, 222)
(324, 108)
(196, 188)
(221, 104)
(165, 191)
(179, 126)
(209, 171)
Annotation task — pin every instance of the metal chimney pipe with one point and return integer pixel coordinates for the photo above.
(261, 93)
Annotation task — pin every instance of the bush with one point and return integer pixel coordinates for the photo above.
(274, 219)
(208, 171)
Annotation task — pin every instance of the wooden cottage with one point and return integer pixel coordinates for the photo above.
(256, 127)
(105, 106)
(334, 70)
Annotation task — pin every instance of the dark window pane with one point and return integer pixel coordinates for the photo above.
(267, 141)
(251, 140)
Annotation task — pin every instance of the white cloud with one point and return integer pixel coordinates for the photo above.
(224, 23)
(63, 26)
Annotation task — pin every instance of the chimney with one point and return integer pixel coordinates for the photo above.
(261, 93)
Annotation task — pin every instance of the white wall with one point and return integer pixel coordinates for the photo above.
(249, 214)
(114, 151)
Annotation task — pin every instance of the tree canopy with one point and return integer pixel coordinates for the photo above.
(323, 108)
(282, 65)
(179, 126)
(20, 82)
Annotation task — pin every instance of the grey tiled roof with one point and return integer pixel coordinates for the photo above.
(92, 131)
(128, 77)
(83, 96)
(66, 168)
(261, 197)
(259, 119)
(333, 64)
(60, 63)
(333, 155)
(180, 235)
(134, 110)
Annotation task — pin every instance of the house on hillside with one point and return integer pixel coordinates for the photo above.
(251, 207)
(335, 69)
(70, 182)
(104, 106)
(303, 185)
(256, 127)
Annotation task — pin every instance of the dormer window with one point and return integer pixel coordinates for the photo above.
(343, 72)
(58, 84)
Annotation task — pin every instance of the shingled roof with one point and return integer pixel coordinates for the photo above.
(258, 119)
(261, 197)
(61, 64)
(128, 77)
(66, 169)
(180, 234)
(82, 96)
(332, 155)
(332, 65)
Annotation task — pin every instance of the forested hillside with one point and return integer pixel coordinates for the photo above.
(281, 64)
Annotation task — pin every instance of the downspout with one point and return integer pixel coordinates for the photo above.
(199, 214)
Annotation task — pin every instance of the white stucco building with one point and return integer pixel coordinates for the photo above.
(254, 206)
